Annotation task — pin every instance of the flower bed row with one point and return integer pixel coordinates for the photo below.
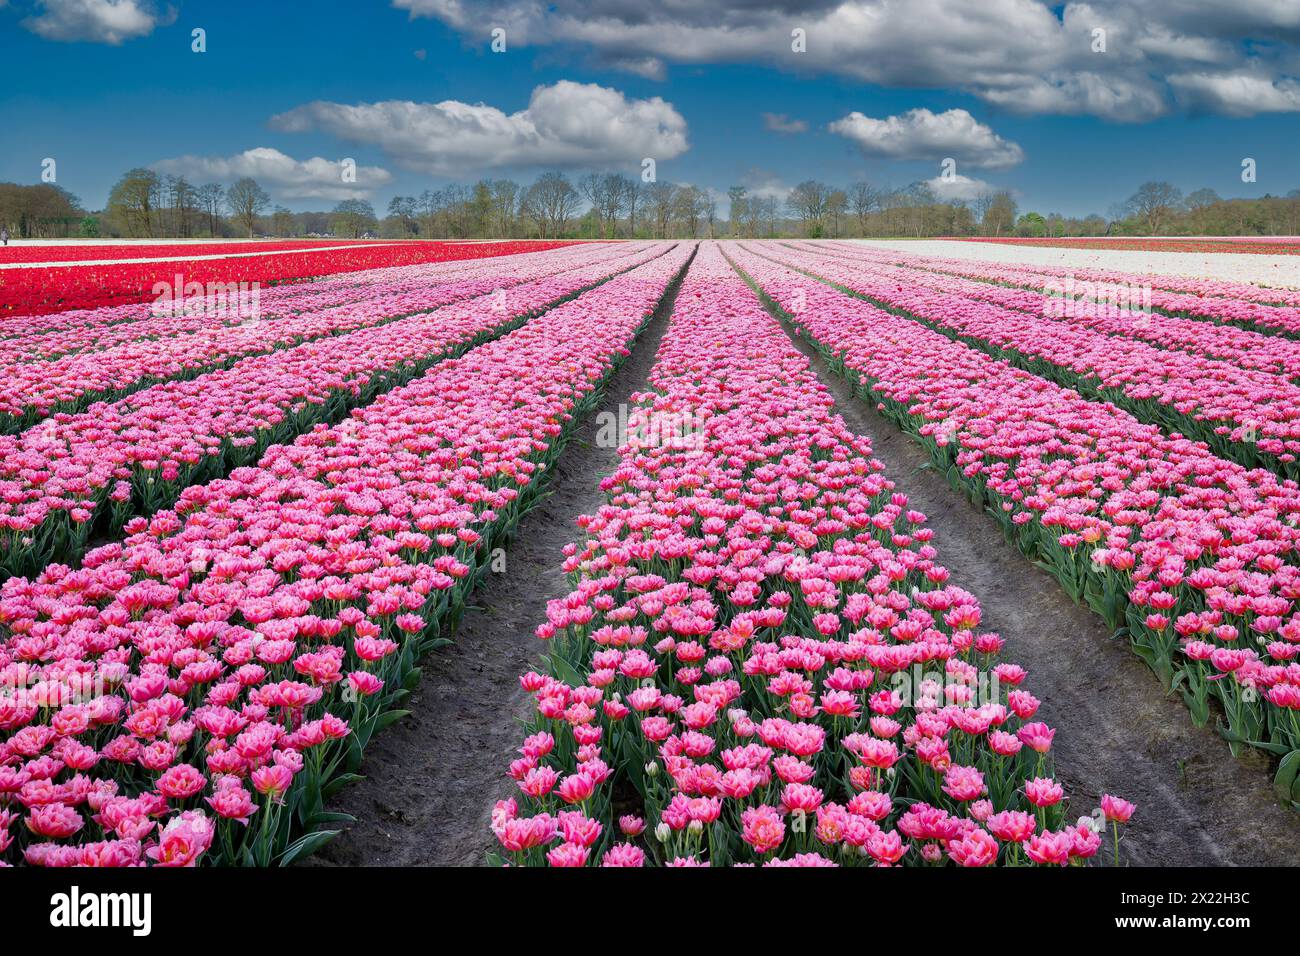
(1197, 558)
(150, 250)
(1259, 245)
(195, 693)
(32, 291)
(1195, 286)
(47, 337)
(135, 455)
(761, 662)
(1249, 416)
(33, 390)
(1264, 309)
(1120, 317)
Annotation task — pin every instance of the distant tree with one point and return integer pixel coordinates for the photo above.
(1202, 198)
(863, 198)
(405, 212)
(246, 200)
(837, 204)
(738, 210)
(352, 217)
(807, 203)
(211, 197)
(661, 204)
(1000, 216)
(551, 202)
(478, 214)
(133, 201)
(1031, 224)
(1153, 203)
(592, 188)
(505, 197)
(282, 221)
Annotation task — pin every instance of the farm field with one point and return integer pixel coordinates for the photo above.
(650, 553)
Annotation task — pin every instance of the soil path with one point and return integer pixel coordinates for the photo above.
(1117, 732)
(432, 778)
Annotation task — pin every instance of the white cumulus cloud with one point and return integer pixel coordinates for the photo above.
(282, 175)
(922, 134)
(1237, 94)
(581, 125)
(1031, 56)
(959, 188)
(97, 21)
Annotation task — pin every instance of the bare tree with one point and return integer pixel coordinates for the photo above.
(863, 198)
(505, 196)
(211, 197)
(661, 199)
(552, 201)
(618, 191)
(246, 201)
(1153, 202)
(738, 209)
(1001, 213)
(592, 188)
(807, 202)
(404, 210)
(837, 203)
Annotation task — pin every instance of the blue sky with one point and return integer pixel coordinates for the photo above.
(1180, 93)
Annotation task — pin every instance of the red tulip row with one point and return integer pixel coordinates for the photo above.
(32, 291)
(73, 252)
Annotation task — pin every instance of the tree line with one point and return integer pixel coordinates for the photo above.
(146, 204)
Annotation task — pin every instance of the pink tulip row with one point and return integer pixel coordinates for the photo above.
(1266, 309)
(760, 662)
(1196, 556)
(1250, 416)
(135, 455)
(96, 329)
(1248, 349)
(193, 694)
(31, 390)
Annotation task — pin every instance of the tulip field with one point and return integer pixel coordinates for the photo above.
(238, 538)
